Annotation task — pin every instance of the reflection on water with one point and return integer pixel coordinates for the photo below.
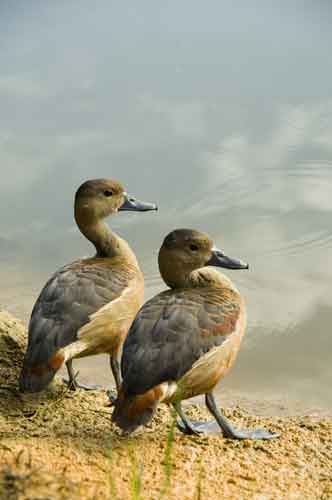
(236, 150)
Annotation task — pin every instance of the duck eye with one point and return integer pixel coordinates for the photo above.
(108, 192)
(193, 247)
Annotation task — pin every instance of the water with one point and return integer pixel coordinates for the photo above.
(223, 115)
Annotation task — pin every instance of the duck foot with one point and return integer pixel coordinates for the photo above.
(253, 434)
(200, 427)
(188, 426)
(112, 395)
(228, 430)
(73, 385)
(217, 426)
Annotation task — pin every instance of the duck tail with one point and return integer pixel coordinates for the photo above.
(132, 411)
(35, 378)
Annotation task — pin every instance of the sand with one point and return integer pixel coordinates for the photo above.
(62, 445)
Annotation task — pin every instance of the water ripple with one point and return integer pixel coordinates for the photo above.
(316, 240)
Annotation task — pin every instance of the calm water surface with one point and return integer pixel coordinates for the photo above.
(223, 116)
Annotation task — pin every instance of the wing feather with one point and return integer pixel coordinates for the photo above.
(174, 330)
(66, 303)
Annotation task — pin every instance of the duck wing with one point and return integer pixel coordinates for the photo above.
(66, 303)
(174, 330)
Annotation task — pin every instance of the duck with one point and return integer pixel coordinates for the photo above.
(185, 339)
(87, 306)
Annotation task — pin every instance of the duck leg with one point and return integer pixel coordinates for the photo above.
(228, 430)
(187, 426)
(115, 367)
(221, 423)
(72, 382)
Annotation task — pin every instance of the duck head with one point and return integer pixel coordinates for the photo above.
(98, 198)
(186, 250)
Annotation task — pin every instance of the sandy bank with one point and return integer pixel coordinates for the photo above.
(62, 445)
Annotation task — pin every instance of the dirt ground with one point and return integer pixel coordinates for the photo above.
(62, 445)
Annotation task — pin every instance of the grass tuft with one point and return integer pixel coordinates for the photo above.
(113, 494)
(168, 462)
(136, 476)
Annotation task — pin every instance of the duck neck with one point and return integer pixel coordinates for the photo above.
(107, 243)
(174, 275)
(209, 277)
(177, 277)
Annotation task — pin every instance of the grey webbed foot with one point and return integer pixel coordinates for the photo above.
(198, 427)
(112, 395)
(73, 385)
(212, 427)
(229, 431)
(188, 426)
(253, 434)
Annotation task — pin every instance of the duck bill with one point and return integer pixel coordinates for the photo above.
(219, 259)
(130, 204)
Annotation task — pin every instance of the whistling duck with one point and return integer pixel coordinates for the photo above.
(185, 339)
(87, 306)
